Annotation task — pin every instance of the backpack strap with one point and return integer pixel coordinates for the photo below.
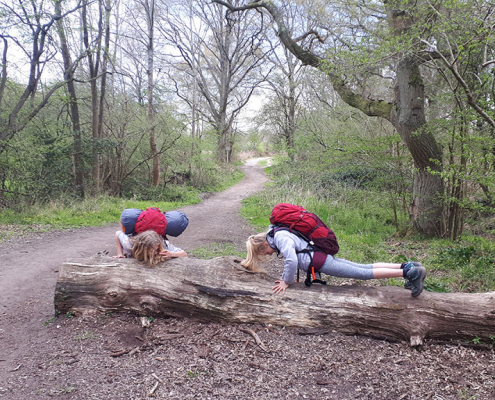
(317, 259)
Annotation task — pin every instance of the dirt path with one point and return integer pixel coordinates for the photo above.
(217, 219)
(42, 357)
(29, 266)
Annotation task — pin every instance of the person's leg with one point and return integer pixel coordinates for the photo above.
(367, 266)
(387, 265)
(407, 283)
(414, 275)
(347, 269)
(383, 273)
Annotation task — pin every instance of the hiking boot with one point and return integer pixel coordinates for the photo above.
(407, 283)
(416, 276)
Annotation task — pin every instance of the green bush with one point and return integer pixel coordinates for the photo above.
(454, 257)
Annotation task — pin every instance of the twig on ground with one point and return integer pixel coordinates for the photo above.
(134, 351)
(119, 353)
(152, 391)
(156, 377)
(130, 352)
(170, 336)
(246, 344)
(16, 368)
(256, 338)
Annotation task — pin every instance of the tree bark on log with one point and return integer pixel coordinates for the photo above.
(222, 290)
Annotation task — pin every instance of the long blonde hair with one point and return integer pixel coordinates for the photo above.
(255, 245)
(143, 247)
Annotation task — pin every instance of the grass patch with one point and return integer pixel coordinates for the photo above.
(98, 211)
(89, 212)
(217, 250)
(227, 179)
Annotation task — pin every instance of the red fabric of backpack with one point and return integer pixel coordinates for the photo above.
(152, 219)
(305, 224)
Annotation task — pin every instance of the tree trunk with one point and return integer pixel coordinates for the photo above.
(74, 105)
(93, 56)
(222, 290)
(150, 19)
(408, 117)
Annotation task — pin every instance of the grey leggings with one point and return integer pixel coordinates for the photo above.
(346, 269)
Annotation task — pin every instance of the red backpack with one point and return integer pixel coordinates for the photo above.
(152, 219)
(306, 225)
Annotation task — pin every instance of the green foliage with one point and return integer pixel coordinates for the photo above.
(256, 210)
(37, 167)
(72, 214)
(352, 176)
(470, 264)
(454, 257)
(37, 164)
(171, 194)
(227, 177)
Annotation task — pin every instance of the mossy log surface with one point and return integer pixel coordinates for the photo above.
(222, 290)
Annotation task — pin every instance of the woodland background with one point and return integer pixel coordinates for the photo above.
(380, 116)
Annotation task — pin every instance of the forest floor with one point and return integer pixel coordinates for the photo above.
(43, 356)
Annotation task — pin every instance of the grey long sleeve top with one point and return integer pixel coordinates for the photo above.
(287, 244)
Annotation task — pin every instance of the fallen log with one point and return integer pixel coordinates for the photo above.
(222, 290)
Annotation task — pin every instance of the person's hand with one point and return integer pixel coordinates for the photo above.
(119, 256)
(166, 254)
(281, 286)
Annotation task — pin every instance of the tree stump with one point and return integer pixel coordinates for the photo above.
(222, 290)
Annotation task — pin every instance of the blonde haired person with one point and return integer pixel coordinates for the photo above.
(295, 252)
(257, 251)
(147, 246)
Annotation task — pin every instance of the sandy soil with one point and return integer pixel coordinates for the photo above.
(115, 357)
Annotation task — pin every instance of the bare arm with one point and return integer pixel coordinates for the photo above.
(118, 245)
(167, 254)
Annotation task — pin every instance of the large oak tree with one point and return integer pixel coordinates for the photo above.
(354, 24)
